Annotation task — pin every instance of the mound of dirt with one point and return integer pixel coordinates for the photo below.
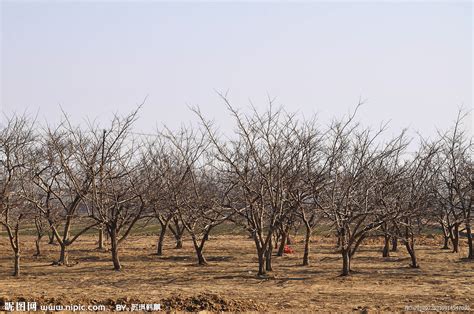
(209, 302)
(200, 302)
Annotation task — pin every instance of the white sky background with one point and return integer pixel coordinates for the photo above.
(412, 62)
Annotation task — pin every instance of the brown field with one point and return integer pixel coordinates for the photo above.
(229, 281)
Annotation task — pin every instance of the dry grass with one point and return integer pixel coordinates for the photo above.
(444, 278)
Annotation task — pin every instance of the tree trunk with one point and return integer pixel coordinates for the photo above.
(281, 247)
(161, 238)
(261, 254)
(63, 255)
(15, 245)
(446, 237)
(64, 243)
(178, 233)
(412, 252)
(179, 242)
(114, 249)
(261, 262)
(346, 262)
(268, 256)
(306, 246)
(16, 271)
(38, 248)
(394, 244)
(386, 247)
(51, 238)
(446, 243)
(410, 244)
(199, 250)
(288, 239)
(345, 251)
(454, 235)
(101, 238)
(469, 241)
(200, 256)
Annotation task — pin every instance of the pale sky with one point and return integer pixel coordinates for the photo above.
(411, 62)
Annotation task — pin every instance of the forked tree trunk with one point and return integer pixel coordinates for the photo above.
(306, 245)
(446, 242)
(178, 235)
(179, 242)
(261, 254)
(64, 243)
(63, 255)
(201, 258)
(199, 248)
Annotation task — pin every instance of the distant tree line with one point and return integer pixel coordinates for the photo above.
(274, 173)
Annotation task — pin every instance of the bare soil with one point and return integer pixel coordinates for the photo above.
(229, 282)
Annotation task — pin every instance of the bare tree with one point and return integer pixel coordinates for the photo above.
(283, 233)
(16, 140)
(60, 182)
(196, 193)
(260, 165)
(315, 177)
(177, 229)
(455, 183)
(116, 199)
(415, 197)
(40, 230)
(168, 176)
(350, 199)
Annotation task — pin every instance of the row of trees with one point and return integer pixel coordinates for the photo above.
(273, 173)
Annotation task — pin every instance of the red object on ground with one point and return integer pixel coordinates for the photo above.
(288, 250)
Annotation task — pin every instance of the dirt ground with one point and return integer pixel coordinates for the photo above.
(229, 282)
